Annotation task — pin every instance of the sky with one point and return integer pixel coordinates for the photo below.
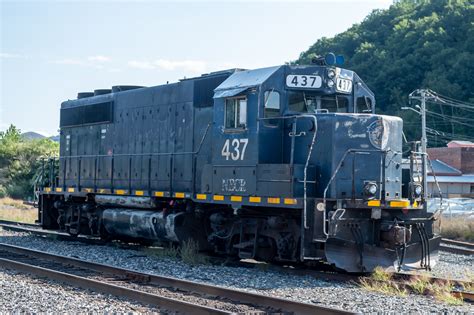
(51, 50)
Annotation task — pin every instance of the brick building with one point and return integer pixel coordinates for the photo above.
(458, 154)
(453, 167)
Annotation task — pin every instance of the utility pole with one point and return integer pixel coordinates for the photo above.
(424, 144)
(422, 95)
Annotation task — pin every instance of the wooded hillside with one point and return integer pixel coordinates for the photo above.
(411, 45)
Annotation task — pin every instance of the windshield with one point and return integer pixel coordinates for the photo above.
(309, 102)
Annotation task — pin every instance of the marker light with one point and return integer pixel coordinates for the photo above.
(370, 189)
(330, 83)
(339, 60)
(330, 59)
(331, 74)
(418, 190)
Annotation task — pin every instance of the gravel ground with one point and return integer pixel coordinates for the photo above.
(454, 266)
(295, 287)
(23, 294)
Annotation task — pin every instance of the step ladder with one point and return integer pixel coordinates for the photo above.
(248, 243)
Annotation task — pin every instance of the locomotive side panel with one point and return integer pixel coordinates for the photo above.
(142, 108)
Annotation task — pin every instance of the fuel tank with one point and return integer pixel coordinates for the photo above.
(142, 224)
(125, 201)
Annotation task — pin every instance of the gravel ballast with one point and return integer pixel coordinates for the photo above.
(454, 266)
(267, 282)
(24, 294)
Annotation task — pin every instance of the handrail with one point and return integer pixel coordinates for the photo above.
(141, 154)
(335, 173)
(310, 151)
(66, 158)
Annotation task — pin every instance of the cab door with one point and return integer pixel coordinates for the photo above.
(270, 129)
(235, 145)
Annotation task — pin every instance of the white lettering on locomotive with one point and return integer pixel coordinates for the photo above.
(237, 152)
(234, 185)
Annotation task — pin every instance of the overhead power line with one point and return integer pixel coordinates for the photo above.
(458, 118)
(447, 101)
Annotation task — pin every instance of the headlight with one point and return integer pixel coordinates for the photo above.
(330, 83)
(418, 190)
(331, 74)
(370, 189)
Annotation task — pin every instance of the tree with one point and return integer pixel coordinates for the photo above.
(20, 160)
(413, 44)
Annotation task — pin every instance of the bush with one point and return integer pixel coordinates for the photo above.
(20, 161)
(189, 252)
(3, 192)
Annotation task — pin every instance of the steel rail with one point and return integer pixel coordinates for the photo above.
(457, 250)
(20, 223)
(234, 295)
(467, 296)
(463, 248)
(37, 230)
(108, 288)
(404, 279)
(457, 243)
(404, 276)
(185, 285)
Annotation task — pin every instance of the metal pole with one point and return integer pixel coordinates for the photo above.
(423, 145)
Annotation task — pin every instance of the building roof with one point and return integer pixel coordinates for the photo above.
(440, 168)
(463, 179)
(242, 80)
(460, 144)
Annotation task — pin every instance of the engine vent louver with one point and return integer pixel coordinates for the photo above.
(86, 115)
(102, 92)
(121, 88)
(84, 94)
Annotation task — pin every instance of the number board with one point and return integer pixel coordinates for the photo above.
(344, 85)
(304, 81)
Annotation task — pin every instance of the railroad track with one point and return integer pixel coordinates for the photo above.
(457, 247)
(165, 292)
(448, 245)
(38, 230)
(15, 223)
(322, 275)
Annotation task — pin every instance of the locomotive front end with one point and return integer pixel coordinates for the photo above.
(364, 213)
(369, 222)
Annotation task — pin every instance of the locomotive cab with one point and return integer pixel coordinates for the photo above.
(310, 134)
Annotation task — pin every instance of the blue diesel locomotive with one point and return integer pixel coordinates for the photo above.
(283, 164)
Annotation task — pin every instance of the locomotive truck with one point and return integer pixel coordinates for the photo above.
(287, 164)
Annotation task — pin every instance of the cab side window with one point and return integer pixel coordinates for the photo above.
(235, 113)
(271, 107)
(364, 104)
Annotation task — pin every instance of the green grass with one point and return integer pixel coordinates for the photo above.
(419, 285)
(381, 282)
(379, 274)
(188, 252)
(388, 288)
(167, 251)
(441, 290)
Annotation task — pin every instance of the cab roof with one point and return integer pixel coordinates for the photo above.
(242, 80)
